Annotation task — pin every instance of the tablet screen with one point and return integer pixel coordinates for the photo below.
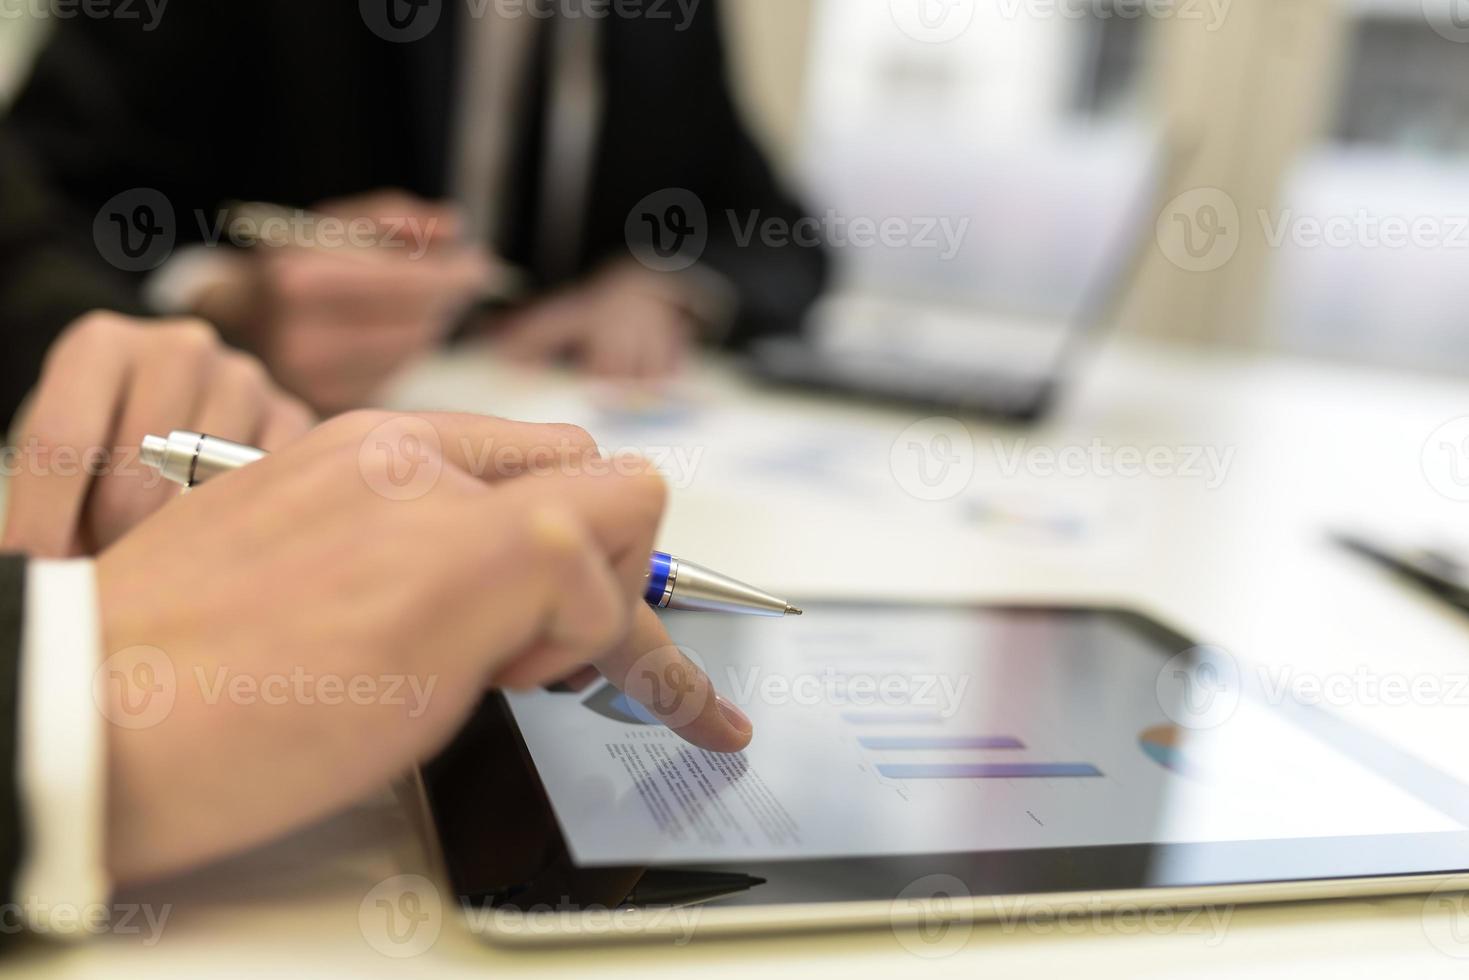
(889, 731)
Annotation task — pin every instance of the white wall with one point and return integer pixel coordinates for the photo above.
(769, 41)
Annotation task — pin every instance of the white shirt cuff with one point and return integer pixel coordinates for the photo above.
(62, 881)
(175, 287)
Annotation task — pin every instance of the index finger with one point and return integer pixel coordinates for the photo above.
(652, 670)
(622, 509)
(46, 498)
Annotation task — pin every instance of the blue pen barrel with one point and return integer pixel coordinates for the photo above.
(660, 567)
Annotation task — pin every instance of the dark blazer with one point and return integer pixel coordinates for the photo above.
(293, 102)
(12, 606)
(49, 275)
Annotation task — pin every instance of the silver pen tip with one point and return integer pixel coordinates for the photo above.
(793, 611)
(153, 451)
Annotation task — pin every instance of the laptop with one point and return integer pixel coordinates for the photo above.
(983, 332)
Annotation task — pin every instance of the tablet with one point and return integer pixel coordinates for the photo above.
(913, 762)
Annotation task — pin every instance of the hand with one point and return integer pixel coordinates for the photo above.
(335, 323)
(622, 324)
(107, 382)
(295, 567)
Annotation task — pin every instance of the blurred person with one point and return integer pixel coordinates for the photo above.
(244, 579)
(568, 143)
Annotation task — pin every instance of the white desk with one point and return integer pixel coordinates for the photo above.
(1245, 565)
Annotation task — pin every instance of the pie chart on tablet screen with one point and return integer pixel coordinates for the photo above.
(1167, 746)
(609, 702)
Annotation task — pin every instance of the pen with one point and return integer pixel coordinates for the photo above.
(659, 887)
(191, 458)
(1440, 573)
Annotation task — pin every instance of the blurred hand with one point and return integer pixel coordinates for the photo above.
(335, 323)
(107, 382)
(623, 323)
(297, 566)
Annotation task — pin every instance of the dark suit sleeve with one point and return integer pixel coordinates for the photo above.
(12, 605)
(107, 111)
(50, 273)
(60, 160)
(672, 122)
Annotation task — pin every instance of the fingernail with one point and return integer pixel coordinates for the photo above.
(734, 715)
